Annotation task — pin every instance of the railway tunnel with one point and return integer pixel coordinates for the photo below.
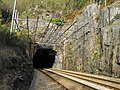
(44, 58)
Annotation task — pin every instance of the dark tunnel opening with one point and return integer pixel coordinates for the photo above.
(44, 58)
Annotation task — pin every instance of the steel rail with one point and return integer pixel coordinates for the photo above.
(65, 31)
(77, 43)
(77, 29)
(54, 33)
(54, 30)
(44, 72)
(32, 20)
(47, 29)
(90, 80)
(49, 34)
(74, 32)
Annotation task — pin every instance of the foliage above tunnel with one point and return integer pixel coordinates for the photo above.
(20, 40)
(69, 8)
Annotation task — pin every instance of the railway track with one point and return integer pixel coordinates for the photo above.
(41, 81)
(81, 81)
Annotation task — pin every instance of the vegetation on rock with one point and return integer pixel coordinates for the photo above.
(15, 64)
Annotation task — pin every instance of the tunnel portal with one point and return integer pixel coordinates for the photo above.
(44, 58)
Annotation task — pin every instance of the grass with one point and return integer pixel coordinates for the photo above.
(56, 4)
(70, 8)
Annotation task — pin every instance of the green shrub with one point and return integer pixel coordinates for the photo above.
(4, 34)
(57, 21)
(20, 40)
(117, 16)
